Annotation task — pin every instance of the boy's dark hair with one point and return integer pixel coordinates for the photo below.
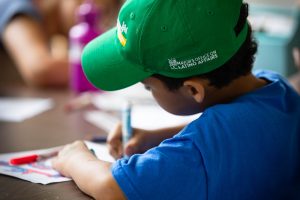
(239, 65)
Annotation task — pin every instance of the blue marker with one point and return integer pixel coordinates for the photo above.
(126, 124)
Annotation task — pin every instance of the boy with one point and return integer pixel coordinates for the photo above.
(194, 56)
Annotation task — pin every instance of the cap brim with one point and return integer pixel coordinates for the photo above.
(106, 68)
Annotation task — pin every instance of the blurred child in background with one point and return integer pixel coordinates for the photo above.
(34, 33)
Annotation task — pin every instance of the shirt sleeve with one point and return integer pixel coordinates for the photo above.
(10, 8)
(173, 170)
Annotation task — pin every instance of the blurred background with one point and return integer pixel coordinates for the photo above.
(275, 22)
(41, 40)
(276, 25)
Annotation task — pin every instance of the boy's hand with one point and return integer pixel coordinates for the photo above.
(71, 155)
(91, 175)
(139, 143)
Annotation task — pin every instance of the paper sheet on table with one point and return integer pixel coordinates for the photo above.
(19, 109)
(42, 172)
(148, 117)
(113, 101)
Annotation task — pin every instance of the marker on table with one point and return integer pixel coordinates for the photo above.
(31, 158)
(99, 139)
(126, 124)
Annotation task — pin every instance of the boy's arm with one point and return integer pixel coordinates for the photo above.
(27, 43)
(92, 176)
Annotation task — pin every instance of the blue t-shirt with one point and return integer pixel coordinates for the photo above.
(10, 8)
(246, 149)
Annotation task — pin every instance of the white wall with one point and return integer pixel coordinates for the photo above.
(274, 2)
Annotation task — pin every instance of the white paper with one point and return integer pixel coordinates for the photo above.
(42, 172)
(102, 120)
(149, 117)
(19, 109)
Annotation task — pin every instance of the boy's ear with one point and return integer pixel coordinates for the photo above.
(195, 88)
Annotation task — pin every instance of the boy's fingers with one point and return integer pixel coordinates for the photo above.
(131, 147)
(115, 134)
(114, 141)
(111, 150)
(120, 152)
(115, 150)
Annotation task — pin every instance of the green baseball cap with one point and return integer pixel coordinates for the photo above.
(174, 38)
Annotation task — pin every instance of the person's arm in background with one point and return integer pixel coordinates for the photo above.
(28, 45)
(24, 32)
(28, 40)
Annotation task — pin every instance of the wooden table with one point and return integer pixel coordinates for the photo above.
(51, 128)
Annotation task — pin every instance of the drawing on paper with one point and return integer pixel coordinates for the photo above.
(40, 168)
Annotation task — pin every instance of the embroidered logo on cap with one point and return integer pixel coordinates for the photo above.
(122, 29)
(185, 64)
